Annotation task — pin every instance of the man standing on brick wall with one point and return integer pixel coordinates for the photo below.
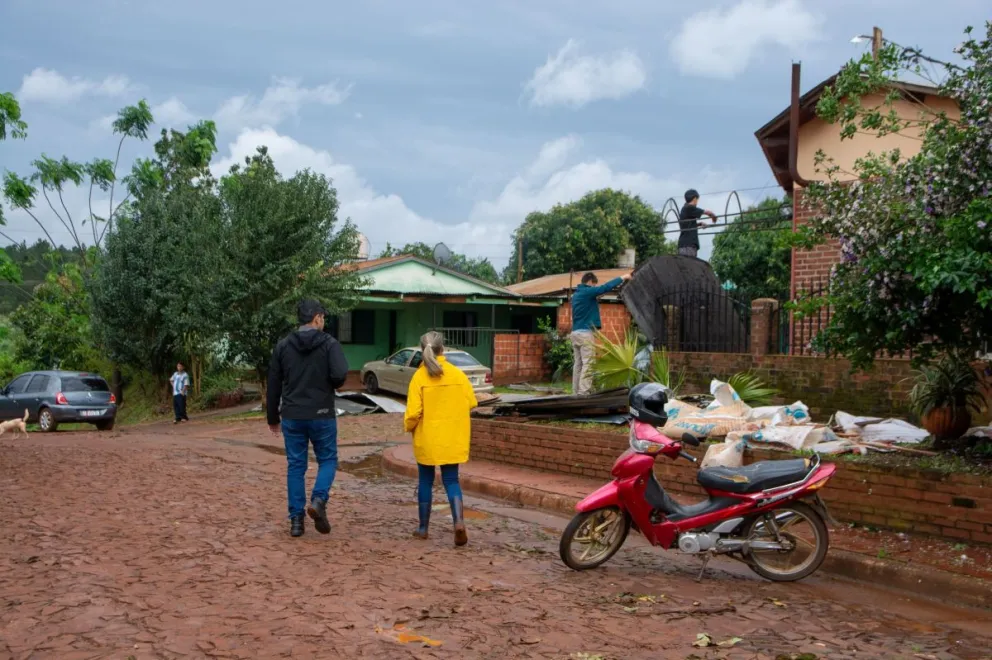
(585, 323)
(689, 237)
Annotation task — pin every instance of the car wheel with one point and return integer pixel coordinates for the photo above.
(46, 421)
(371, 383)
(105, 425)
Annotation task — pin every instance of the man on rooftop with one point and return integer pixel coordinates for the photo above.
(689, 237)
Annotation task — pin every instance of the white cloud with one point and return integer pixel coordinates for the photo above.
(280, 101)
(571, 79)
(49, 86)
(381, 217)
(551, 179)
(722, 43)
(172, 113)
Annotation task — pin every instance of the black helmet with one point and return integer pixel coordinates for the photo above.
(647, 403)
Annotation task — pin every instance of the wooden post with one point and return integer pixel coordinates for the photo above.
(520, 260)
(876, 41)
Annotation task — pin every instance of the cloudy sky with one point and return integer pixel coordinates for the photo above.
(446, 120)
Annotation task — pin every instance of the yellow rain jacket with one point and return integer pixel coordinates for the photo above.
(437, 412)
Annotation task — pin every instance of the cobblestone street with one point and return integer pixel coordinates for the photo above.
(163, 542)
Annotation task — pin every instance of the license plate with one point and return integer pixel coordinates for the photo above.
(93, 413)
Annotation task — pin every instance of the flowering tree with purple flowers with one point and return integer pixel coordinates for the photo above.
(916, 243)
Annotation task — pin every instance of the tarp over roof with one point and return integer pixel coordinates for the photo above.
(563, 283)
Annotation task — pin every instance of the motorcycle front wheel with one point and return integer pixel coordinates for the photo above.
(592, 537)
(800, 529)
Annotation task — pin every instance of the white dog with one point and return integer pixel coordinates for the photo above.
(20, 425)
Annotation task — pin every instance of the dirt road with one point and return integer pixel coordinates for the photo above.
(163, 542)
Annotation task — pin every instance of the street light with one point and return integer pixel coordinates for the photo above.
(875, 39)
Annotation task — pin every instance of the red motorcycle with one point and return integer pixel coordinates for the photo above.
(766, 514)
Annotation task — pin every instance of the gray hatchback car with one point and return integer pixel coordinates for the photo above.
(59, 397)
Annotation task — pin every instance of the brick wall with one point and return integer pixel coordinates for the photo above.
(810, 272)
(614, 315)
(956, 506)
(826, 385)
(519, 358)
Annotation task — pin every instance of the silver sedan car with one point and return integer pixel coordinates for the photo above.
(395, 372)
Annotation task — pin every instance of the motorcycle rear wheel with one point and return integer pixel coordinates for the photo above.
(817, 541)
(598, 533)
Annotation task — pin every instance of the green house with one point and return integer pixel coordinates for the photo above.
(407, 297)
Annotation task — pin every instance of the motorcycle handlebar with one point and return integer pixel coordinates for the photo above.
(687, 456)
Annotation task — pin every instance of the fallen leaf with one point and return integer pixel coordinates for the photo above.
(702, 641)
(646, 599)
(630, 610)
(777, 603)
(695, 603)
(727, 643)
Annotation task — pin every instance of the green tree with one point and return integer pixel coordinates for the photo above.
(589, 233)
(52, 176)
(479, 268)
(159, 289)
(10, 120)
(54, 326)
(916, 248)
(284, 243)
(754, 253)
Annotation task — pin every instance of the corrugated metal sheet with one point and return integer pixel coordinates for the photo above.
(562, 283)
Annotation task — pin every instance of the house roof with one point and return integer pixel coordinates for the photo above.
(774, 136)
(563, 283)
(406, 274)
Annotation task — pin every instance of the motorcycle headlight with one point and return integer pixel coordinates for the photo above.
(644, 446)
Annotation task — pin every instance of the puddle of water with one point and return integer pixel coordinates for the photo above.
(369, 467)
(401, 634)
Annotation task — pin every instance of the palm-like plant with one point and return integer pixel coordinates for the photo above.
(950, 383)
(617, 365)
(751, 389)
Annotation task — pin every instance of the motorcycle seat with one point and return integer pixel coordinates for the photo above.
(755, 477)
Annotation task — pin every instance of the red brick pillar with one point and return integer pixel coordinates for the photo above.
(762, 314)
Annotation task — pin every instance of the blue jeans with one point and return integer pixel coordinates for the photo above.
(179, 407)
(298, 434)
(449, 477)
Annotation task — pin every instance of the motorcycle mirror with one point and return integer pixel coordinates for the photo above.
(689, 439)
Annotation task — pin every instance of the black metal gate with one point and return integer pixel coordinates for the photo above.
(702, 320)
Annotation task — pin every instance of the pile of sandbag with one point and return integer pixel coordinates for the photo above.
(787, 427)
(730, 418)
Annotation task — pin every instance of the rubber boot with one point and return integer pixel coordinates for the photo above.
(458, 518)
(424, 510)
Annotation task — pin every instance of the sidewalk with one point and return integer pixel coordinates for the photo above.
(919, 565)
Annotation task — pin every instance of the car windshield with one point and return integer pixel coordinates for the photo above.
(462, 360)
(84, 384)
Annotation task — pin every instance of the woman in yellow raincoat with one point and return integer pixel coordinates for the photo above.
(437, 413)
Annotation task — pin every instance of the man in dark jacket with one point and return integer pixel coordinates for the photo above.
(307, 366)
(689, 237)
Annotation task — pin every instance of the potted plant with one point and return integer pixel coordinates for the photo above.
(945, 394)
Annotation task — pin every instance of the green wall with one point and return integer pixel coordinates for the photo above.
(414, 319)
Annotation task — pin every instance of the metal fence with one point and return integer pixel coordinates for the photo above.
(703, 320)
(807, 326)
(478, 341)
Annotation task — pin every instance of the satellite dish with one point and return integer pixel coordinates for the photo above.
(364, 247)
(442, 254)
